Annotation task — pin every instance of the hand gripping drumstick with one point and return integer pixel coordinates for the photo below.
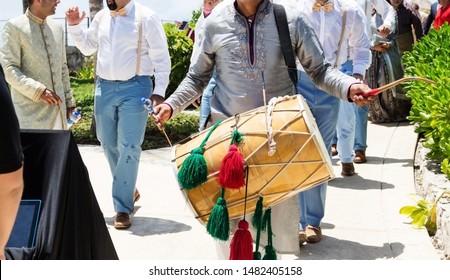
(376, 91)
(149, 107)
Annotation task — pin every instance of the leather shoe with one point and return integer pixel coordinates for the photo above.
(122, 221)
(302, 238)
(313, 234)
(348, 169)
(137, 195)
(334, 151)
(360, 157)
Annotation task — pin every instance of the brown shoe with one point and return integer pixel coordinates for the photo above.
(137, 195)
(302, 238)
(313, 234)
(334, 151)
(122, 221)
(360, 157)
(348, 169)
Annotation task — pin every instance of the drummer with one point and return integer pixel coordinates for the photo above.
(241, 41)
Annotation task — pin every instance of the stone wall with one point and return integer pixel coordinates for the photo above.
(430, 182)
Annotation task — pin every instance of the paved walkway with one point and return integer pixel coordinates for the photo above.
(362, 219)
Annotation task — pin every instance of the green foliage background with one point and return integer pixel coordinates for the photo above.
(430, 110)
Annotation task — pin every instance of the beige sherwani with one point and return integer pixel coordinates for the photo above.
(33, 56)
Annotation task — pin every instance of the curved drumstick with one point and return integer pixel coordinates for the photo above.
(376, 91)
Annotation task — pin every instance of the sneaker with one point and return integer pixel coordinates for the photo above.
(348, 169)
(360, 157)
(334, 151)
(313, 234)
(302, 238)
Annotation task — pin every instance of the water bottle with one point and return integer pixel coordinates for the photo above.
(148, 104)
(73, 118)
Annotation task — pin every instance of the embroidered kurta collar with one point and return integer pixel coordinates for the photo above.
(34, 18)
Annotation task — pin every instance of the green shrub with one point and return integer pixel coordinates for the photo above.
(180, 50)
(430, 110)
(87, 72)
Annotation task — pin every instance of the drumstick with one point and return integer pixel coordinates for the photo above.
(376, 91)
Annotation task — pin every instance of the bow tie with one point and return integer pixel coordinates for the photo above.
(327, 7)
(121, 12)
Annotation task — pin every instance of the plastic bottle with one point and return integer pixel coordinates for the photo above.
(73, 118)
(148, 104)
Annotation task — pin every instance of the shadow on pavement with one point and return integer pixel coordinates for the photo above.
(147, 226)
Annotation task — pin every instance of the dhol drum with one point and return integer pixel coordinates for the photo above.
(283, 150)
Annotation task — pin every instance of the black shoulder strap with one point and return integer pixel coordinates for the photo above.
(285, 41)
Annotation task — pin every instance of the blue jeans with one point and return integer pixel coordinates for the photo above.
(345, 129)
(324, 108)
(121, 121)
(362, 117)
(205, 105)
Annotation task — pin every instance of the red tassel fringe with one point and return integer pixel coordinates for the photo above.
(231, 173)
(241, 247)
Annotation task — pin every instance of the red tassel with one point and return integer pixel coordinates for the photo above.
(241, 247)
(231, 173)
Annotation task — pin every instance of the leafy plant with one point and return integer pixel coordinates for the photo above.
(430, 109)
(180, 50)
(87, 72)
(423, 213)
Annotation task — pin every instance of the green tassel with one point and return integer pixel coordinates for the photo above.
(218, 225)
(236, 137)
(271, 254)
(194, 171)
(257, 216)
(256, 256)
(257, 223)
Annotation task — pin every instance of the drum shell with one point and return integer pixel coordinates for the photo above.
(299, 163)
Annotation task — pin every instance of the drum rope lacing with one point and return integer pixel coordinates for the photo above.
(270, 109)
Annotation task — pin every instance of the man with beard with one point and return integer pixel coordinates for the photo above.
(131, 47)
(34, 59)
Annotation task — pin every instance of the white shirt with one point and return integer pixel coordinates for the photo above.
(383, 8)
(328, 27)
(116, 40)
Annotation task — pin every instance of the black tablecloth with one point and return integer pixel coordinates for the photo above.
(71, 224)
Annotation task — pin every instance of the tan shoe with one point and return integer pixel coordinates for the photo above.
(348, 169)
(334, 151)
(122, 221)
(302, 238)
(313, 234)
(360, 157)
(137, 195)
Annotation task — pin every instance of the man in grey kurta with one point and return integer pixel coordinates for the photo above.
(241, 40)
(33, 56)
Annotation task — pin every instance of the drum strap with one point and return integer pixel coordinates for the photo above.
(285, 42)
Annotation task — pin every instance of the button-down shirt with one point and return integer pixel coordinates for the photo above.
(116, 39)
(355, 43)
